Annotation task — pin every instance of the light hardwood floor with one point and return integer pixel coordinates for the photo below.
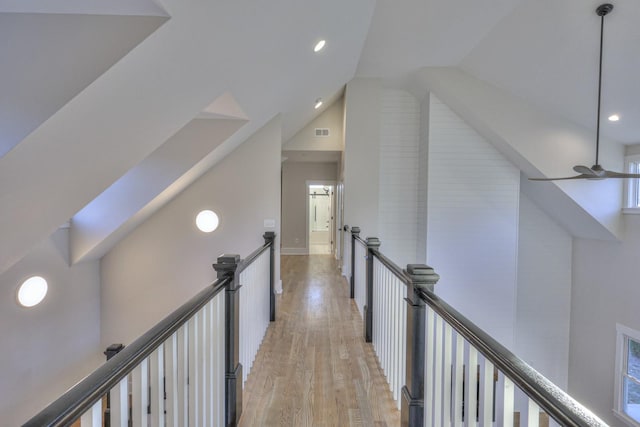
(313, 367)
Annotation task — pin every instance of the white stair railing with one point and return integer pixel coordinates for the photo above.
(389, 326)
(441, 368)
(254, 315)
(185, 371)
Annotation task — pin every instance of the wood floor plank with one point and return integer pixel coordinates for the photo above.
(313, 367)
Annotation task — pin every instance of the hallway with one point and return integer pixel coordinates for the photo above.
(313, 367)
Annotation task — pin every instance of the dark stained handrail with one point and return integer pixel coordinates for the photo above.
(361, 240)
(393, 267)
(81, 397)
(252, 257)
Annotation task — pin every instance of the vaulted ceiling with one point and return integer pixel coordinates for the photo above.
(94, 94)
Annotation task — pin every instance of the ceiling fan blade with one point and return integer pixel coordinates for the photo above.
(582, 176)
(584, 170)
(610, 174)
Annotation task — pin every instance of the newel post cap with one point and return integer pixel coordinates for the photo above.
(373, 242)
(269, 236)
(422, 275)
(226, 264)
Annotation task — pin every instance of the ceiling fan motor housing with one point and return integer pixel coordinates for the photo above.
(603, 9)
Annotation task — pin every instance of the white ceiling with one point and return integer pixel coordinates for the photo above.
(85, 97)
(50, 58)
(410, 34)
(547, 53)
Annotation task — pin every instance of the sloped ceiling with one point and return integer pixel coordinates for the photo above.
(410, 34)
(547, 53)
(94, 87)
(261, 52)
(50, 58)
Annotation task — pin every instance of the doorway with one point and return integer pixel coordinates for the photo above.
(320, 217)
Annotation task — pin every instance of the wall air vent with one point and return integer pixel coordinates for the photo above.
(322, 132)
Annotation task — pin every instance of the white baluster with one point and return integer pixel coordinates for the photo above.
(471, 398)
(156, 386)
(446, 376)
(437, 373)
(93, 417)
(486, 394)
(458, 380)
(209, 362)
(395, 365)
(533, 414)
(119, 399)
(182, 385)
(140, 393)
(202, 367)
(403, 342)
(387, 331)
(171, 380)
(376, 308)
(393, 326)
(244, 289)
(194, 372)
(507, 402)
(220, 374)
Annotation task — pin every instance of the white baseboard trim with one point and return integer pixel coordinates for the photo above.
(294, 251)
(278, 287)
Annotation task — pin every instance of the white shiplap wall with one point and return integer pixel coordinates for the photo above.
(423, 155)
(398, 172)
(472, 222)
(544, 293)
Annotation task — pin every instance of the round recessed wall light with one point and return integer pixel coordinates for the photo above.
(319, 46)
(32, 291)
(207, 221)
(318, 103)
(614, 118)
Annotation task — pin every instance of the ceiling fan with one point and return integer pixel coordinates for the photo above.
(596, 171)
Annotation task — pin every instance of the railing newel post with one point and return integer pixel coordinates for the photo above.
(373, 243)
(412, 410)
(226, 266)
(269, 238)
(355, 232)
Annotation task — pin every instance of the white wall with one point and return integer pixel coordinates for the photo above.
(361, 155)
(166, 260)
(605, 291)
(540, 144)
(381, 166)
(332, 118)
(294, 200)
(472, 226)
(399, 161)
(421, 198)
(47, 348)
(544, 293)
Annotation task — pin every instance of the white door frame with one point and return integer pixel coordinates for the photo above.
(332, 233)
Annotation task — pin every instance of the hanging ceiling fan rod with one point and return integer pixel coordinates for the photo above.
(596, 172)
(602, 11)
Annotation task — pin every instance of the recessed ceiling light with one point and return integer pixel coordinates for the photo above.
(319, 46)
(318, 103)
(32, 291)
(207, 221)
(614, 118)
